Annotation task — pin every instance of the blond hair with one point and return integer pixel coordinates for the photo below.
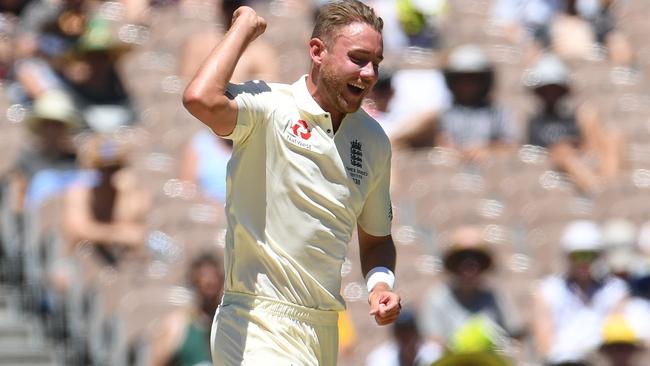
(341, 13)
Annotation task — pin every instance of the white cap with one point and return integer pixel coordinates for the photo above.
(619, 233)
(468, 58)
(549, 70)
(581, 235)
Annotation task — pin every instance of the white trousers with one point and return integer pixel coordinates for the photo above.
(253, 331)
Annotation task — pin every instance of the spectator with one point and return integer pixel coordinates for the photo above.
(91, 73)
(48, 164)
(524, 20)
(621, 346)
(411, 23)
(571, 134)
(621, 251)
(474, 125)
(569, 311)
(46, 31)
(419, 95)
(641, 283)
(50, 25)
(450, 305)
(378, 100)
(478, 342)
(408, 347)
(204, 163)
(184, 335)
(107, 208)
(259, 61)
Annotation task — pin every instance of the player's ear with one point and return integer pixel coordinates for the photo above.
(317, 50)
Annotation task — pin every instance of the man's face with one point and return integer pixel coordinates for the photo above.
(208, 282)
(350, 66)
(581, 263)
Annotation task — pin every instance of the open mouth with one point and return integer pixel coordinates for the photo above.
(356, 88)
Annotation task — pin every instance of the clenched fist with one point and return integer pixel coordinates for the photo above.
(384, 304)
(246, 18)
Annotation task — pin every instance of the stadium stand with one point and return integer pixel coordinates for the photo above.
(106, 315)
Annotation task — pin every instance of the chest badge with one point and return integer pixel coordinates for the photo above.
(356, 171)
(300, 129)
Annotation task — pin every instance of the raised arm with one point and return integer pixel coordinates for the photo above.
(205, 96)
(376, 252)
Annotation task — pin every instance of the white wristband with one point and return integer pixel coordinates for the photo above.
(380, 274)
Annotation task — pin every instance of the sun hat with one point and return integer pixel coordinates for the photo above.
(100, 35)
(53, 105)
(467, 241)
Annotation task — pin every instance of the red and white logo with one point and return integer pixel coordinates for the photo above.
(301, 129)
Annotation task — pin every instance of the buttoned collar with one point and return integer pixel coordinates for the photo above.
(304, 100)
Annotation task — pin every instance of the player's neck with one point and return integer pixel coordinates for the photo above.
(321, 99)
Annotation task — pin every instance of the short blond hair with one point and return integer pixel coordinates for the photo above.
(340, 13)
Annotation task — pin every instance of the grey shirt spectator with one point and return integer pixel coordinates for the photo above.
(471, 126)
(549, 129)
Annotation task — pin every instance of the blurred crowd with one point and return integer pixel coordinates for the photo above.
(521, 172)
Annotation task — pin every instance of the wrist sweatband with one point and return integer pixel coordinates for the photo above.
(380, 274)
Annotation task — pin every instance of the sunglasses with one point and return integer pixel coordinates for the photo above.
(583, 256)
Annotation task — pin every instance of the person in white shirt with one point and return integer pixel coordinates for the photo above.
(307, 168)
(569, 311)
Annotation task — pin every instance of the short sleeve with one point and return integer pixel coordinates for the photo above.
(377, 212)
(254, 101)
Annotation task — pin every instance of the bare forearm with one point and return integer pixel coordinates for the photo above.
(126, 234)
(205, 96)
(216, 71)
(379, 251)
(566, 158)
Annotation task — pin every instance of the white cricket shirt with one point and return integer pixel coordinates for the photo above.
(295, 192)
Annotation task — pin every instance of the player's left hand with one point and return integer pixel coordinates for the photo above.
(384, 304)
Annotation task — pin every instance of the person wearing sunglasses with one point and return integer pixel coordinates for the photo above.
(569, 310)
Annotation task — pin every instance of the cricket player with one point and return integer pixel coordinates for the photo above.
(308, 167)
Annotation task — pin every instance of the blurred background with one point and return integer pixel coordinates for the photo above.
(521, 180)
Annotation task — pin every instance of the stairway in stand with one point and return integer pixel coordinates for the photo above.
(21, 340)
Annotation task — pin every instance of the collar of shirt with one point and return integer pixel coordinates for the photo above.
(307, 104)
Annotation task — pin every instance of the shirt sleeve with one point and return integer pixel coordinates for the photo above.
(253, 105)
(377, 212)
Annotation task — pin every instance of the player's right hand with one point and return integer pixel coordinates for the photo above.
(247, 18)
